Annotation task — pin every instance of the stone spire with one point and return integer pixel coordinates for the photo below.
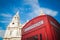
(13, 31)
(15, 20)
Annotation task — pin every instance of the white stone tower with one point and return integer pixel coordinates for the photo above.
(13, 31)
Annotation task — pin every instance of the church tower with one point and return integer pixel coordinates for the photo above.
(13, 31)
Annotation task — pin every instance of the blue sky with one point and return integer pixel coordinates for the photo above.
(28, 9)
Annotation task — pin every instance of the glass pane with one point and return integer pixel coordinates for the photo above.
(40, 36)
(33, 38)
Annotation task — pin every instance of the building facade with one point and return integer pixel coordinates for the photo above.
(43, 27)
(13, 31)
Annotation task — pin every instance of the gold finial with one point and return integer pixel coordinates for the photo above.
(41, 12)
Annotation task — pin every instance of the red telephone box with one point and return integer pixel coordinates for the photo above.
(42, 27)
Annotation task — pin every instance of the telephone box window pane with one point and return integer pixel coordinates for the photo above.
(33, 38)
(40, 36)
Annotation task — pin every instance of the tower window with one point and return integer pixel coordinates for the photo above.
(12, 23)
(15, 17)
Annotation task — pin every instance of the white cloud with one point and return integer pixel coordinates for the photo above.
(7, 18)
(4, 21)
(49, 11)
(6, 15)
(36, 9)
(45, 10)
(33, 3)
(2, 33)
